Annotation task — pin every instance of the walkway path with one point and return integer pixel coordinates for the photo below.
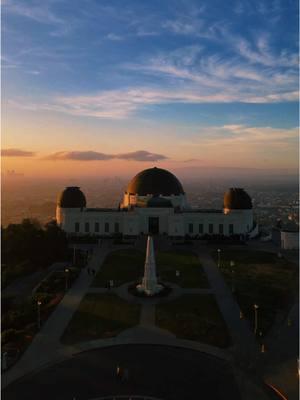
(279, 365)
(147, 315)
(245, 345)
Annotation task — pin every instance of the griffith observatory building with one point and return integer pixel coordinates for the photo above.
(154, 202)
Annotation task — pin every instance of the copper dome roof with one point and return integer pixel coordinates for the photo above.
(237, 199)
(155, 181)
(71, 197)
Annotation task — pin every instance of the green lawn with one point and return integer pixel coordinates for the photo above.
(188, 265)
(121, 266)
(100, 316)
(128, 265)
(260, 278)
(194, 317)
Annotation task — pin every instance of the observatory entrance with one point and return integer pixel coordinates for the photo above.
(153, 225)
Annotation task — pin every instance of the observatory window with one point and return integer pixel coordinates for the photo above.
(230, 229)
(211, 228)
(77, 227)
(106, 227)
(191, 228)
(87, 227)
(200, 228)
(117, 227)
(97, 227)
(221, 229)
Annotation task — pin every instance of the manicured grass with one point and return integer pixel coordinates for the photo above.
(194, 317)
(245, 256)
(188, 265)
(121, 266)
(100, 316)
(260, 278)
(128, 265)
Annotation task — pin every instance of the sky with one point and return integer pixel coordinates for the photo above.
(96, 87)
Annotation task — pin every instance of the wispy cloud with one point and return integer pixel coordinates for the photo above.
(17, 153)
(248, 137)
(120, 104)
(113, 36)
(227, 66)
(243, 145)
(140, 155)
(261, 53)
(40, 12)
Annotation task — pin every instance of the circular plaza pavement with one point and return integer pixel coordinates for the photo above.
(162, 372)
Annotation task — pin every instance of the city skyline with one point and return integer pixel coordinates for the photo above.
(99, 88)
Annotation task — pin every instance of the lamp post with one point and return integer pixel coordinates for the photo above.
(67, 276)
(39, 303)
(232, 264)
(219, 258)
(74, 255)
(4, 361)
(256, 307)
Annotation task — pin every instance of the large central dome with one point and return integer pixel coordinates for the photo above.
(155, 181)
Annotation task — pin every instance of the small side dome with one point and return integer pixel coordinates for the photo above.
(237, 199)
(159, 202)
(71, 197)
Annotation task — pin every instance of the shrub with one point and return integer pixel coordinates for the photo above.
(9, 335)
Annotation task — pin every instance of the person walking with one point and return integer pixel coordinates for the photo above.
(119, 372)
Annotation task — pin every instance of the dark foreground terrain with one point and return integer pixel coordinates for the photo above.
(163, 372)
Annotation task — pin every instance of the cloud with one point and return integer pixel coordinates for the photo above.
(79, 156)
(249, 138)
(225, 67)
(16, 153)
(120, 104)
(140, 155)
(113, 36)
(243, 145)
(192, 160)
(41, 13)
(261, 53)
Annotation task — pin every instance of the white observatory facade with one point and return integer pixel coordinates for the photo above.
(155, 203)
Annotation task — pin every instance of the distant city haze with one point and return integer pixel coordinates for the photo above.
(274, 196)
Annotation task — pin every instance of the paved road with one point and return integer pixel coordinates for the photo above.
(160, 371)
